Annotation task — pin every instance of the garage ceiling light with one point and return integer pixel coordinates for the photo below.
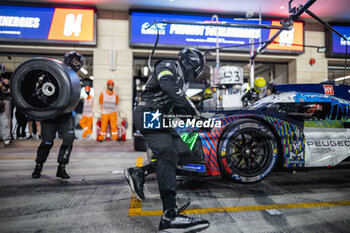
(342, 78)
(321, 49)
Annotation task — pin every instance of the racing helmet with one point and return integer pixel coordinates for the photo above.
(259, 84)
(193, 62)
(74, 59)
(208, 93)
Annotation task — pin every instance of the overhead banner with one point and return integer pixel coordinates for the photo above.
(336, 46)
(204, 36)
(73, 26)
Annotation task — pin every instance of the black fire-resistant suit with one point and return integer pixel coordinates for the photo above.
(64, 125)
(164, 91)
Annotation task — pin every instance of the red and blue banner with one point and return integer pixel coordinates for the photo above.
(47, 25)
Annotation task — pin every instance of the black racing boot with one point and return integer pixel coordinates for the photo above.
(173, 221)
(136, 179)
(37, 171)
(61, 172)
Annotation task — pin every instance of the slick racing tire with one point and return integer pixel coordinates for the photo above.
(43, 88)
(247, 151)
(139, 143)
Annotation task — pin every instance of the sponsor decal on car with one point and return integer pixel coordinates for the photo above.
(328, 143)
(272, 164)
(328, 89)
(194, 167)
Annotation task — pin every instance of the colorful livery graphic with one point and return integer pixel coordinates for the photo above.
(292, 129)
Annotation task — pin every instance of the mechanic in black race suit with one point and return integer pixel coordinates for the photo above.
(165, 90)
(64, 125)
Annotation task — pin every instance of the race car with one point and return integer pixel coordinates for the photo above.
(291, 129)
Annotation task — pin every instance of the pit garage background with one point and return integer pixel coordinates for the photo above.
(113, 58)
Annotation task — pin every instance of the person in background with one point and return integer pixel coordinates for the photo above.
(208, 93)
(87, 118)
(108, 101)
(33, 131)
(64, 125)
(5, 131)
(258, 92)
(7, 100)
(21, 124)
(270, 89)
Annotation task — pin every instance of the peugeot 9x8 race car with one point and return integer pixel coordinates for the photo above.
(293, 129)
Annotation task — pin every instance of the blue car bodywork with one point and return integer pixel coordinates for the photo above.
(310, 129)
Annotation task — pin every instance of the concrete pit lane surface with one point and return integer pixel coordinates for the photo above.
(97, 197)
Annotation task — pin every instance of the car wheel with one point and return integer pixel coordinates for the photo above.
(247, 152)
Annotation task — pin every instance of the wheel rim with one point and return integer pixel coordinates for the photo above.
(39, 89)
(249, 152)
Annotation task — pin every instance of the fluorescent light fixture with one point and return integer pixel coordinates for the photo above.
(145, 71)
(84, 71)
(91, 77)
(342, 78)
(282, 7)
(321, 49)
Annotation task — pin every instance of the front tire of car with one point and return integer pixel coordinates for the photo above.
(248, 151)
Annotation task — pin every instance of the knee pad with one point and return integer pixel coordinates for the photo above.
(68, 139)
(169, 154)
(47, 144)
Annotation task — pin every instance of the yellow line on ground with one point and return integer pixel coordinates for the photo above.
(247, 208)
(135, 208)
(139, 161)
(20, 158)
(135, 205)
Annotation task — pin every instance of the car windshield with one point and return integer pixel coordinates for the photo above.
(262, 103)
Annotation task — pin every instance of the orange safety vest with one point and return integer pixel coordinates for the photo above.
(110, 102)
(88, 105)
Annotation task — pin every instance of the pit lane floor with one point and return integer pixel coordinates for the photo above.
(97, 198)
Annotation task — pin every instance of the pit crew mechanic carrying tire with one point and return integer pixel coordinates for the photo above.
(164, 90)
(63, 124)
